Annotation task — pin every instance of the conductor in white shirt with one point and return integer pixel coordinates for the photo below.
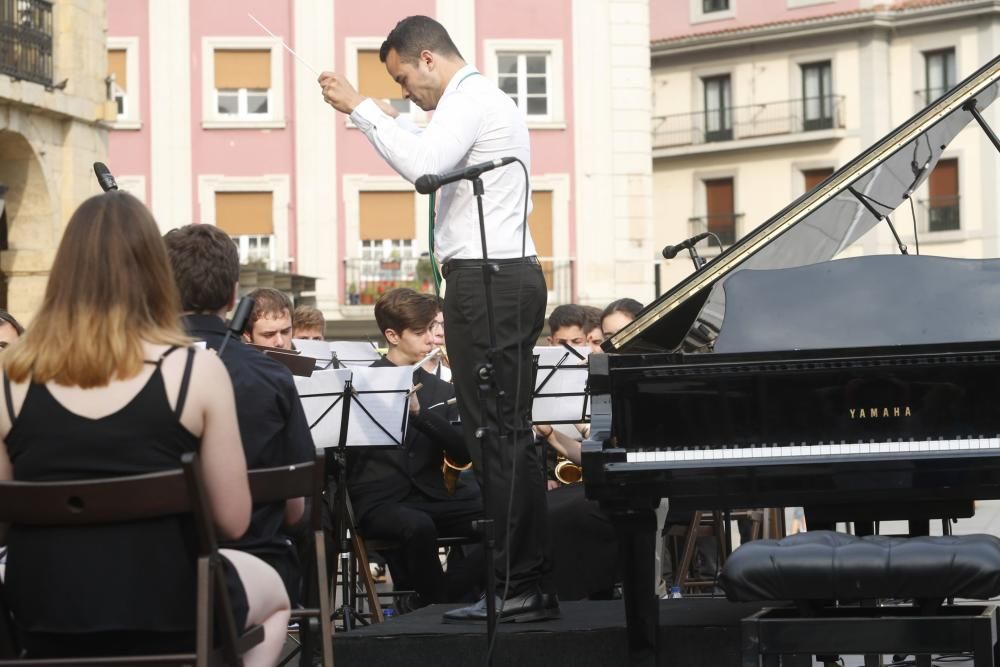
(475, 122)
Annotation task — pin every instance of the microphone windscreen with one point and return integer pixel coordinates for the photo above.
(426, 184)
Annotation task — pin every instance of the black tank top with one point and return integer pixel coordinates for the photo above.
(101, 578)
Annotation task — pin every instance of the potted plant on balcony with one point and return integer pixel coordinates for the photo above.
(424, 272)
(368, 294)
(353, 297)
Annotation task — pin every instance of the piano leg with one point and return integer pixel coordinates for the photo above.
(636, 538)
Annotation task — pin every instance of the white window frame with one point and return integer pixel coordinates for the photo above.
(698, 15)
(135, 185)
(555, 119)
(279, 187)
(131, 118)
(211, 118)
(351, 47)
(355, 184)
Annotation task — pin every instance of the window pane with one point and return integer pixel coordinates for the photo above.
(228, 102)
(120, 101)
(714, 5)
(537, 106)
(535, 64)
(536, 85)
(508, 84)
(257, 101)
(507, 64)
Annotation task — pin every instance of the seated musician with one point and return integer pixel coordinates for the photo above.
(399, 495)
(105, 383)
(270, 323)
(10, 329)
(439, 364)
(308, 323)
(273, 427)
(617, 314)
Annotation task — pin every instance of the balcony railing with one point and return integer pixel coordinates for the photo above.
(726, 227)
(367, 279)
(939, 214)
(26, 40)
(755, 120)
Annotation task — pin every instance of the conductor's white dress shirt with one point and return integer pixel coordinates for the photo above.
(474, 122)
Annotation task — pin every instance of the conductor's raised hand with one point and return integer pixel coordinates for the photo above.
(338, 92)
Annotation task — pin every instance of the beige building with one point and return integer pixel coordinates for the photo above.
(53, 101)
(748, 118)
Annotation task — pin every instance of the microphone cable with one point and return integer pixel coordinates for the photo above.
(517, 418)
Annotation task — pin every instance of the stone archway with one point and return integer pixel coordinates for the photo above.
(30, 211)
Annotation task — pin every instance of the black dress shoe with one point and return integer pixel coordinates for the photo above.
(529, 606)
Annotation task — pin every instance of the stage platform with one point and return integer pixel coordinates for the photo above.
(693, 632)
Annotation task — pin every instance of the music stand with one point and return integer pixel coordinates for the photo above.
(372, 412)
(353, 353)
(561, 395)
(291, 359)
(318, 350)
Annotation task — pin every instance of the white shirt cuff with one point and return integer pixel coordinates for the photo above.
(366, 114)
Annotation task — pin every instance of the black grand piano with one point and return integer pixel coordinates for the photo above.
(781, 375)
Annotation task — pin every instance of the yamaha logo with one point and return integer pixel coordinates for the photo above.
(880, 413)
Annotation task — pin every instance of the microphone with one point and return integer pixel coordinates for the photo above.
(104, 177)
(428, 183)
(238, 322)
(671, 250)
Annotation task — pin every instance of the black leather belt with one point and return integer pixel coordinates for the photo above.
(455, 264)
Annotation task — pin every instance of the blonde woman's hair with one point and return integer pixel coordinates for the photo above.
(110, 290)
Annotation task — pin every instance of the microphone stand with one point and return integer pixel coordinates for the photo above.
(696, 259)
(486, 372)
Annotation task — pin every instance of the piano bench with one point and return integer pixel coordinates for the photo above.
(816, 569)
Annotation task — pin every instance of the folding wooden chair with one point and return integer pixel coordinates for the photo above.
(111, 500)
(305, 481)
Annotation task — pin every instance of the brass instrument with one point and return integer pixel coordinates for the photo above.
(568, 472)
(450, 471)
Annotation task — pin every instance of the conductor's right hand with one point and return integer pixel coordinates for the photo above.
(339, 93)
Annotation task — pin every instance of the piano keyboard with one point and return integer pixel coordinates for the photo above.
(777, 452)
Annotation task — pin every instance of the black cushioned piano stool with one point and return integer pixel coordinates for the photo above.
(814, 569)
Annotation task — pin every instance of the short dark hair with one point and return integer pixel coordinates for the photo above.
(592, 318)
(566, 315)
(206, 266)
(12, 321)
(309, 317)
(267, 301)
(415, 34)
(403, 308)
(628, 306)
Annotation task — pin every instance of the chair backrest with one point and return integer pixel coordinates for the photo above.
(301, 480)
(136, 497)
(94, 501)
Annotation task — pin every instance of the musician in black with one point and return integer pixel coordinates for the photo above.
(400, 495)
(273, 426)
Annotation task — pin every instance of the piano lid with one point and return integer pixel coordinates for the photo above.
(817, 226)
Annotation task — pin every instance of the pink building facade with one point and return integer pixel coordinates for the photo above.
(219, 124)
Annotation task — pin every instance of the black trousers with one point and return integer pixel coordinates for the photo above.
(416, 523)
(513, 471)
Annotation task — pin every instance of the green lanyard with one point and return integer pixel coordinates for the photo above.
(431, 217)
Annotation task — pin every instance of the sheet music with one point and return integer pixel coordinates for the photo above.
(315, 349)
(560, 386)
(379, 406)
(322, 400)
(353, 353)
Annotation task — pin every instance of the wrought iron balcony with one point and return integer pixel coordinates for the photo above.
(26, 40)
(938, 214)
(367, 279)
(756, 120)
(725, 226)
